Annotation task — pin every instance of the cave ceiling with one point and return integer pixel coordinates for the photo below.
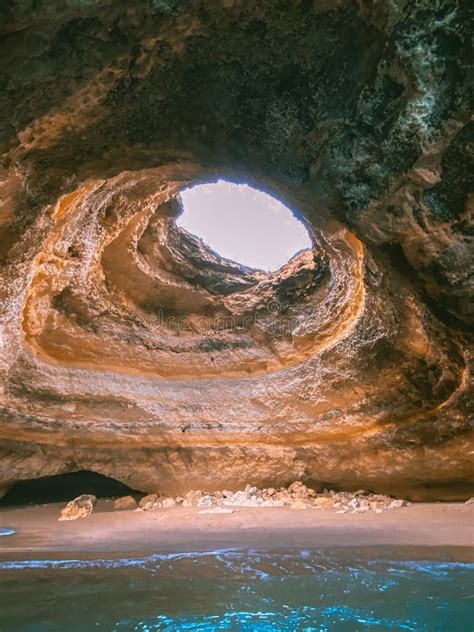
(131, 349)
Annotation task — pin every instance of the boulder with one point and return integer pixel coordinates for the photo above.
(80, 507)
(167, 503)
(148, 502)
(125, 503)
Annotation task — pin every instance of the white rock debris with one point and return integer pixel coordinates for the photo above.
(296, 496)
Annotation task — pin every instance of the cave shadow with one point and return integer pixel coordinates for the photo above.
(65, 487)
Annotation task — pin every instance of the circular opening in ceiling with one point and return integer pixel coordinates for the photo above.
(243, 224)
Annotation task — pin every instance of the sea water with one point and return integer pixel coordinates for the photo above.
(241, 590)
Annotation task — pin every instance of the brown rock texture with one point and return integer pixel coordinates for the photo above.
(130, 349)
(80, 507)
(125, 503)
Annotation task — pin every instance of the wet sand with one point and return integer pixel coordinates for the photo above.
(434, 529)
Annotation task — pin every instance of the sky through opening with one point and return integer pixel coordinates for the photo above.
(243, 224)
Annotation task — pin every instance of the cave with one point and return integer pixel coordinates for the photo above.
(133, 348)
(60, 488)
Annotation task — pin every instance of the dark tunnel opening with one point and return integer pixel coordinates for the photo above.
(65, 487)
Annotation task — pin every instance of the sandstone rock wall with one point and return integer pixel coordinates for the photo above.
(130, 349)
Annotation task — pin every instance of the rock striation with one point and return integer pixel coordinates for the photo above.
(132, 350)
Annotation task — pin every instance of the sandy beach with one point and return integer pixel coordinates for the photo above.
(432, 528)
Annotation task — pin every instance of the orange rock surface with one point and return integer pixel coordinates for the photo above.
(130, 349)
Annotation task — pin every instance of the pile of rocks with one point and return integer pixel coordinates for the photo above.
(296, 496)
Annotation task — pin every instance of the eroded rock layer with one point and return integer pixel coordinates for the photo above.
(131, 349)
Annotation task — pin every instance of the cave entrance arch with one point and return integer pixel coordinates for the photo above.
(243, 224)
(63, 488)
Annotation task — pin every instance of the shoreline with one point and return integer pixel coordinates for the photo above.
(439, 529)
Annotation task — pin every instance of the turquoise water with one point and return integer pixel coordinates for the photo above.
(237, 590)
